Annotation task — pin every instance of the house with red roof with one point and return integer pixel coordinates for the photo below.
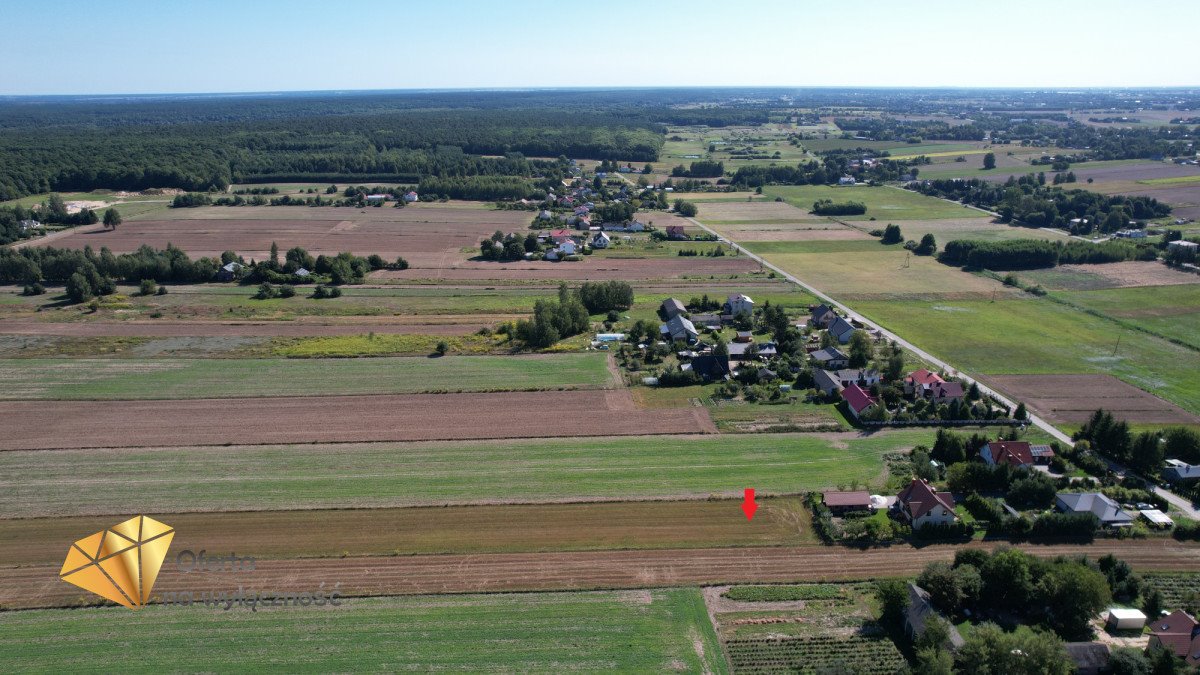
(560, 236)
(858, 400)
(1013, 453)
(921, 504)
(918, 382)
(1179, 634)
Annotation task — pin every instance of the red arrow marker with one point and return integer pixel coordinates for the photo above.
(748, 505)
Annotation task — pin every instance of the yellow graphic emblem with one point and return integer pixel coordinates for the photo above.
(120, 563)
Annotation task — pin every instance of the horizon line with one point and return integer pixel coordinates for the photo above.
(437, 90)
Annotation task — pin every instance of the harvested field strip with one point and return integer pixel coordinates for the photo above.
(93, 482)
(442, 325)
(115, 379)
(39, 425)
(654, 631)
(512, 528)
(38, 585)
(1070, 400)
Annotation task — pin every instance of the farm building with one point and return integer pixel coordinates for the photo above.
(1107, 511)
(1157, 518)
(847, 180)
(1121, 618)
(377, 199)
(1178, 633)
(28, 225)
(411, 196)
(839, 501)
(921, 504)
(743, 336)
(858, 400)
(229, 271)
(1181, 245)
(863, 377)
(711, 321)
(675, 232)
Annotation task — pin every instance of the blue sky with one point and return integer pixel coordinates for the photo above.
(139, 46)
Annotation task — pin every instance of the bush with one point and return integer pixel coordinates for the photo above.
(1187, 530)
(827, 207)
(265, 292)
(1066, 525)
(162, 290)
(287, 291)
(33, 289)
(148, 287)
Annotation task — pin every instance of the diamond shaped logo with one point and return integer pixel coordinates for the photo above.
(120, 563)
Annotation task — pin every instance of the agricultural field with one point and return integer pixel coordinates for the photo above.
(1172, 312)
(1112, 275)
(646, 631)
(1070, 400)
(336, 419)
(378, 475)
(1177, 589)
(486, 528)
(129, 379)
(1035, 336)
(884, 204)
(803, 628)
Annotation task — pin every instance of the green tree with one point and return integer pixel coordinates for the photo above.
(935, 661)
(1129, 661)
(274, 258)
(1182, 443)
(989, 161)
(112, 218)
(442, 347)
(1020, 413)
(892, 595)
(928, 245)
(1075, 593)
(79, 289)
(1152, 604)
(988, 650)
(148, 287)
(892, 234)
(861, 349)
(686, 209)
(942, 584)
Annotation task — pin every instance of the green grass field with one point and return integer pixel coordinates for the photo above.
(408, 474)
(1170, 311)
(885, 204)
(1017, 335)
(208, 378)
(651, 631)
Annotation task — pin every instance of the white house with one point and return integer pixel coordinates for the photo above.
(921, 504)
(411, 196)
(738, 303)
(568, 247)
(846, 180)
(545, 215)
(601, 240)
(27, 225)
(680, 328)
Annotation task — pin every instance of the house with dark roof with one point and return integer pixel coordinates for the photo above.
(709, 366)
(827, 382)
(831, 358)
(675, 232)
(672, 308)
(707, 320)
(1042, 454)
(920, 610)
(841, 330)
(858, 400)
(821, 316)
(1179, 634)
(1107, 511)
(921, 504)
(839, 501)
(679, 328)
(1090, 658)
(1178, 471)
(1013, 453)
(863, 377)
(945, 392)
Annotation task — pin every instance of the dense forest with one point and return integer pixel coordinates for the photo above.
(1029, 201)
(1024, 254)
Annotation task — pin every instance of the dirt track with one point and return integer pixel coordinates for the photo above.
(440, 325)
(43, 425)
(39, 586)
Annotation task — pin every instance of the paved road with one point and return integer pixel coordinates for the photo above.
(1183, 504)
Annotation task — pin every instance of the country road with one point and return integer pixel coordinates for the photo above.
(1179, 502)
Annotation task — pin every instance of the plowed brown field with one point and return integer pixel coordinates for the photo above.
(1071, 399)
(39, 586)
(326, 419)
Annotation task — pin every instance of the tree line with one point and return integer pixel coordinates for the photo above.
(1024, 254)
